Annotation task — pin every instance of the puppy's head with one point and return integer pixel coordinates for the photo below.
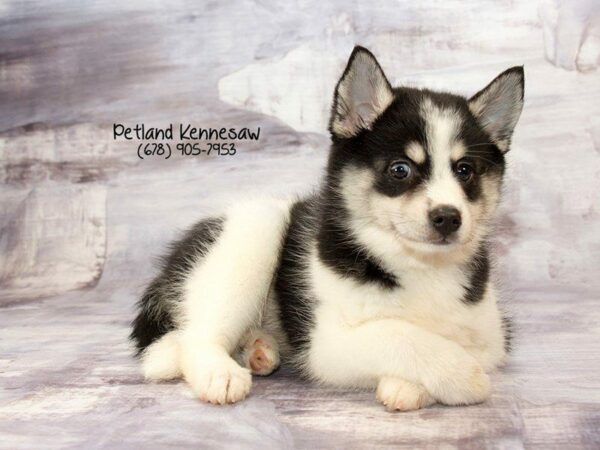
(421, 167)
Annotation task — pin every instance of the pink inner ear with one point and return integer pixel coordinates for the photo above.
(350, 123)
(361, 116)
(498, 106)
(362, 95)
(367, 113)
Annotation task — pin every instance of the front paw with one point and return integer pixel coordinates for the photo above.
(461, 382)
(397, 394)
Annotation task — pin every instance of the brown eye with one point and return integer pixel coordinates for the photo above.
(464, 171)
(400, 170)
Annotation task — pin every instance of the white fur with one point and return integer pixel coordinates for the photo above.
(415, 151)
(247, 251)
(417, 343)
(401, 225)
(421, 333)
(397, 394)
(160, 361)
(225, 296)
(442, 127)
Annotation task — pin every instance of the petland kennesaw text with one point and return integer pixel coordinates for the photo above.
(186, 132)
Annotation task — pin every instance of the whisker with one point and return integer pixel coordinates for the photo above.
(480, 144)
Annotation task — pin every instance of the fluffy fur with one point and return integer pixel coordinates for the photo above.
(379, 280)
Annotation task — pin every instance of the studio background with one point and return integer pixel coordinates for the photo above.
(82, 218)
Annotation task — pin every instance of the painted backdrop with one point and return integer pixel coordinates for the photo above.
(82, 217)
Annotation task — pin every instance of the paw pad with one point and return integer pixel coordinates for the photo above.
(261, 356)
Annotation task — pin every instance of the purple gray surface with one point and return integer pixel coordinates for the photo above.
(82, 218)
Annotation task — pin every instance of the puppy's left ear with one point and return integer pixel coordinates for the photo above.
(498, 106)
(361, 95)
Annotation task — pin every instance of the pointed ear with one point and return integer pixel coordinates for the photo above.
(498, 106)
(361, 95)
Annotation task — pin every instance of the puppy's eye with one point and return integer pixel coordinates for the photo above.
(400, 170)
(464, 171)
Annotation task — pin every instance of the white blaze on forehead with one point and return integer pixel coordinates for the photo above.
(442, 127)
(415, 151)
(457, 151)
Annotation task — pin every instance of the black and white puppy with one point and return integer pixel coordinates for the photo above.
(380, 280)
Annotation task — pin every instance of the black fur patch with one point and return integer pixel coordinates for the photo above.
(385, 143)
(403, 123)
(293, 292)
(482, 154)
(296, 304)
(152, 321)
(155, 315)
(479, 269)
(339, 250)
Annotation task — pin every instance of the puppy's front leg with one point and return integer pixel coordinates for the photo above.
(402, 359)
(224, 297)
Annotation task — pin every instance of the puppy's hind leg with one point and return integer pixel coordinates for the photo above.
(224, 297)
(160, 360)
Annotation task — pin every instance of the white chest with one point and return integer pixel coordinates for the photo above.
(431, 300)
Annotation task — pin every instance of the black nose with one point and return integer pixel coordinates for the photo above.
(445, 219)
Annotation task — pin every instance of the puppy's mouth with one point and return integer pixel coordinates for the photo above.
(440, 244)
(442, 241)
(431, 243)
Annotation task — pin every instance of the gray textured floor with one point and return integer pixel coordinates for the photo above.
(81, 217)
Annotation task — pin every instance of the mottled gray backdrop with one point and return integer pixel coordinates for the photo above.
(82, 218)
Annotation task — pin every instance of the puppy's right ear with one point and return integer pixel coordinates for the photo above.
(361, 96)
